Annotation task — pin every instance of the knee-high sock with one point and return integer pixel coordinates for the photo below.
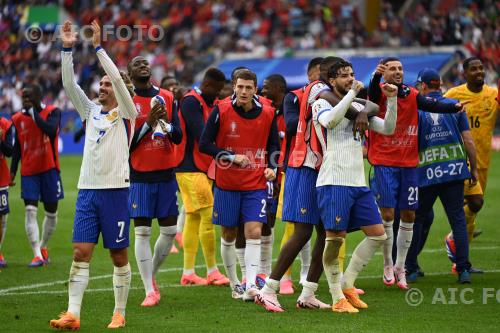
(4, 229)
(387, 249)
(305, 260)
(360, 258)
(144, 257)
(342, 256)
(266, 253)
(252, 260)
(162, 246)
(48, 228)
(32, 231)
(403, 242)
(181, 219)
(240, 254)
(470, 219)
(228, 254)
(332, 268)
(121, 285)
(78, 281)
(289, 229)
(190, 238)
(207, 238)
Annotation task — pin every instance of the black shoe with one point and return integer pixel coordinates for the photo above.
(475, 270)
(464, 277)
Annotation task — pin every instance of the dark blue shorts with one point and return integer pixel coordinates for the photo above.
(46, 187)
(272, 202)
(347, 208)
(299, 200)
(396, 187)
(4, 201)
(153, 200)
(231, 208)
(102, 211)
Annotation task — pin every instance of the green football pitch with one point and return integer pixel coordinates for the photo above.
(29, 298)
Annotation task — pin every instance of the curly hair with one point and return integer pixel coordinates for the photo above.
(128, 83)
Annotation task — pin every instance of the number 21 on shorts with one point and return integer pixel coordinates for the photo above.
(412, 194)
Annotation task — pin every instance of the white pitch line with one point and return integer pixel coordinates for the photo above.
(426, 274)
(98, 277)
(176, 269)
(58, 292)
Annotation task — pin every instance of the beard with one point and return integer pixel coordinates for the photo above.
(143, 78)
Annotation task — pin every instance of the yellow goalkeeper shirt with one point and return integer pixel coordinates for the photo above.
(482, 110)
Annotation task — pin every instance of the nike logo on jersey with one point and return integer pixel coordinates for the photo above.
(262, 215)
(120, 240)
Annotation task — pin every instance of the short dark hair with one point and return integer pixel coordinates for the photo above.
(214, 74)
(36, 89)
(327, 63)
(168, 77)
(235, 70)
(278, 80)
(387, 59)
(333, 72)
(467, 62)
(314, 62)
(245, 74)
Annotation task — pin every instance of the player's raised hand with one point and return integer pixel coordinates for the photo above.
(96, 30)
(390, 90)
(380, 70)
(241, 160)
(357, 86)
(269, 174)
(68, 37)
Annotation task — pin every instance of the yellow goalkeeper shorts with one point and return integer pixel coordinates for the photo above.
(196, 190)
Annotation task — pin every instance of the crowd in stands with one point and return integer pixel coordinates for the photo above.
(198, 32)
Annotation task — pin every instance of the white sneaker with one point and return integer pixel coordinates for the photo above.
(388, 276)
(311, 302)
(401, 278)
(237, 292)
(250, 293)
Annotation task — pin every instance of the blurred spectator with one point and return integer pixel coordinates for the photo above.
(195, 33)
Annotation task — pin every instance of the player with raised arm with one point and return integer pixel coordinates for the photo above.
(395, 158)
(102, 202)
(299, 202)
(241, 134)
(345, 202)
(153, 186)
(36, 146)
